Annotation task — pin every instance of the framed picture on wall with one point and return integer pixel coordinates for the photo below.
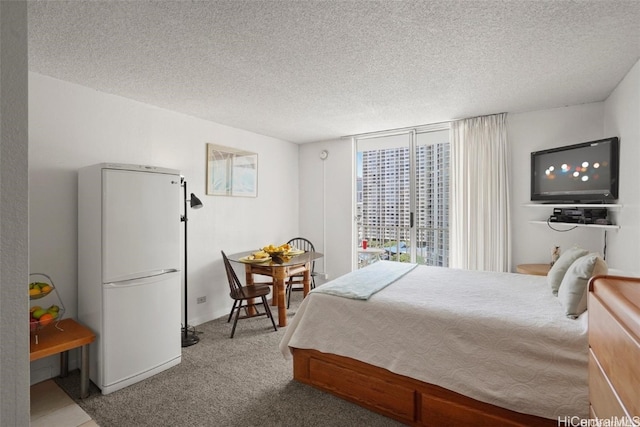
(231, 172)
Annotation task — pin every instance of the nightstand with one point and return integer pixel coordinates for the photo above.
(534, 269)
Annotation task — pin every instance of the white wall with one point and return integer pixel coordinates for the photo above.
(622, 118)
(71, 126)
(326, 203)
(527, 132)
(617, 116)
(14, 267)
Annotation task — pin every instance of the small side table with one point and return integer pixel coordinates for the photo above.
(370, 255)
(68, 335)
(533, 269)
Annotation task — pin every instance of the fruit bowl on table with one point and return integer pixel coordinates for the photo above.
(40, 285)
(42, 317)
(277, 251)
(39, 290)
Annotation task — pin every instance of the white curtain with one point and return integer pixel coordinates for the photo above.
(479, 210)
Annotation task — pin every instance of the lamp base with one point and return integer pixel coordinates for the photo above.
(189, 338)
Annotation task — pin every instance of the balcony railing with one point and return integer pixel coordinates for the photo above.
(432, 244)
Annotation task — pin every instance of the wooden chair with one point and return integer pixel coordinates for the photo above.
(304, 245)
(242, 295)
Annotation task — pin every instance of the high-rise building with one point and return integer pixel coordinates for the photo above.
(383, 200)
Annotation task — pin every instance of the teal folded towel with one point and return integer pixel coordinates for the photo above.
(362, 283)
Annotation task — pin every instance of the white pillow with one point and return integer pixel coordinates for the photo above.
(559, 269)
(573, 289)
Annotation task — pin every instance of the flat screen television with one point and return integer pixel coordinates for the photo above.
(580, 173)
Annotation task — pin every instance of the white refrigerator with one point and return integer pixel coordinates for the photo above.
(129, 281)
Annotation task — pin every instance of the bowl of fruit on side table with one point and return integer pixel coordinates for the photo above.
(43, 312)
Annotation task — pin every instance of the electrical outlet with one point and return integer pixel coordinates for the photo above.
(201, 300)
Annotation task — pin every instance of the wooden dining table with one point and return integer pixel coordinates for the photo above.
(279, 269)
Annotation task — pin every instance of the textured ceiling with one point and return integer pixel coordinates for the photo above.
(314, 70)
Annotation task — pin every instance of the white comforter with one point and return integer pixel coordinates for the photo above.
(500, 338)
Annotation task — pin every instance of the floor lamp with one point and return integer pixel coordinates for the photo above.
(188, 337)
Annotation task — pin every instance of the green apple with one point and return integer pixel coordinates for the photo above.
(38, 313)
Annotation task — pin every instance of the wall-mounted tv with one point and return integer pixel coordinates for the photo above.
(580, 173)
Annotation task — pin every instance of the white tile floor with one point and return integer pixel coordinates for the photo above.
(52, 407)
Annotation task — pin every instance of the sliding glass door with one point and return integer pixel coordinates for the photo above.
(402, 190)
(432, 198)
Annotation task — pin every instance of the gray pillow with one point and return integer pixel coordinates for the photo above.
(573, 289)
(559, 269)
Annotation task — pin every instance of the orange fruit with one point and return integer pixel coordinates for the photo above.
(45, 319)
(33, 292)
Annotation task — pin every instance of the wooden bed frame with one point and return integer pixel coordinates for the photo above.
(405, 399)
(614, 373)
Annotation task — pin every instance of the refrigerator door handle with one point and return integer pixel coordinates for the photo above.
(141, 280)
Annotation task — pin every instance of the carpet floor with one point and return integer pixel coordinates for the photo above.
(244, 381)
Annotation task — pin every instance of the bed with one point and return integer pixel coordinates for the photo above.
(442, 346)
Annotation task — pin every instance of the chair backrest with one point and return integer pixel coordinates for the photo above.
(304, 245)
(234, 282)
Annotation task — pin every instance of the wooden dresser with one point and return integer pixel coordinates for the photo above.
(614, 349)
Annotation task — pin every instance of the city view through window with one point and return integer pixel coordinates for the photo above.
(386, 207)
